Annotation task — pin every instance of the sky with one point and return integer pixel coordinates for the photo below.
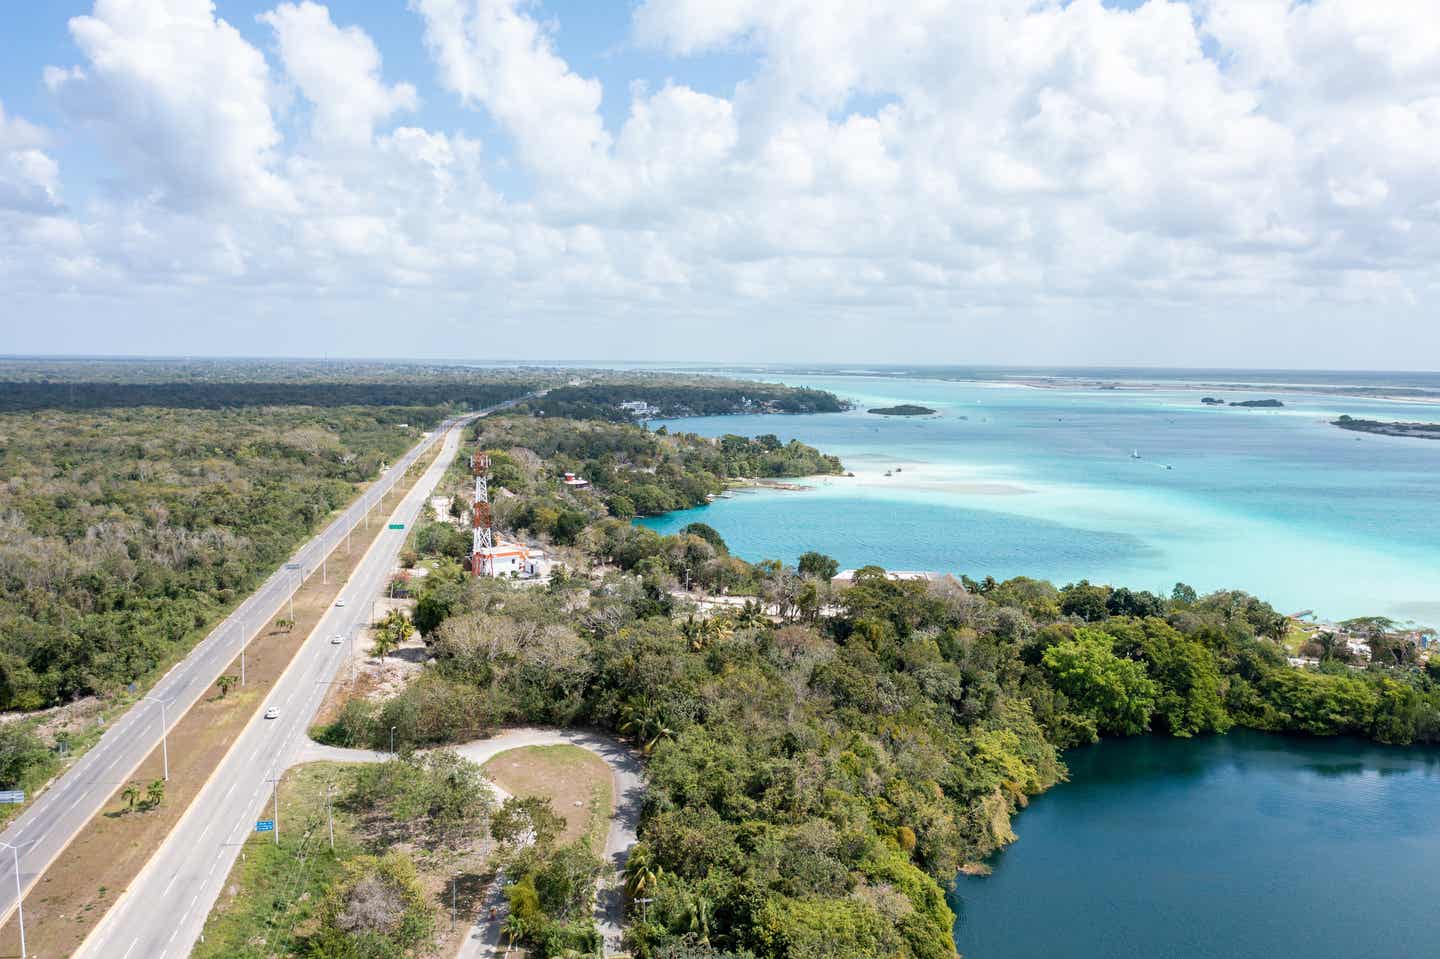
(1235, 183)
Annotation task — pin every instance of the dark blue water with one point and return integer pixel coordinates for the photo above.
(1236, 847)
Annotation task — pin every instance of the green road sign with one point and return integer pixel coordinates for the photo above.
(397, 525)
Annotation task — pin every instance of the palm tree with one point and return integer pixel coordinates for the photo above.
(225, 684)
(752, 615)
(392, 631)
(642, 873)
(154, 793)
(131, 795)
(697, 917)
(514, 930)
(644, 720)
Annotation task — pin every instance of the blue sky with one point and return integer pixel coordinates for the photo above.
(1228, 182)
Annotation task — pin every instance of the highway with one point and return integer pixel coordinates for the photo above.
(54, 818)
(162, 912)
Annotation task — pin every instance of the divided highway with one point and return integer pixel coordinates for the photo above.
(56, 816)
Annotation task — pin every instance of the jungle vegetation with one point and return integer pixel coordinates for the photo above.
(823, 759)
(125, 532)
(683, 397)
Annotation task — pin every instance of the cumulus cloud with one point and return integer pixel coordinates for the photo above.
(338, 70)
(179, 97)
(29, 178)
(1023, 170)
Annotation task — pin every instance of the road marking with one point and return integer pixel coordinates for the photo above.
(132, 948)
(170, 883)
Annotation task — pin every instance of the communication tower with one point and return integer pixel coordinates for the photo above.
(483, 548)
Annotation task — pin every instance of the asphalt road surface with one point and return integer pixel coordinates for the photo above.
(55, 817)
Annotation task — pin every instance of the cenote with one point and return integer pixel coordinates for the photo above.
(1246, 845)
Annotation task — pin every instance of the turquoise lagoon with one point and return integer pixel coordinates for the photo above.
(1013, 480)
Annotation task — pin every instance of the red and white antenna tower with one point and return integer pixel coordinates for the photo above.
(482, 550)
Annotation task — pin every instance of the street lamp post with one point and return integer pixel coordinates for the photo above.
(164, 734)
(330, 812)
(19, 896)
(392, 740)
(276, 830)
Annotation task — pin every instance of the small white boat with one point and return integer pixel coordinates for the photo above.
(1134, 454)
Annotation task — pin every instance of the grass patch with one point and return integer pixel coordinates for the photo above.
(270, 901)
(577, 783)
(274, 900)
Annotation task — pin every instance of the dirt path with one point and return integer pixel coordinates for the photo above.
(627, 774)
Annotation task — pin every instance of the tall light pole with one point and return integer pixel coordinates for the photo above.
(19, 897)
(276, 830)
(244, 642)
(392, 740)
(330, 812)
(164, 734)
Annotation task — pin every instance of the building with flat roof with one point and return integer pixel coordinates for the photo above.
(504, 559)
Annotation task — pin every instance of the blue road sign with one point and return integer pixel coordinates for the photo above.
(12, 796)
(265, 825)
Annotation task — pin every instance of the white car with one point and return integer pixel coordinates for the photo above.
(273, 712)
(336, 640)
(339, 602)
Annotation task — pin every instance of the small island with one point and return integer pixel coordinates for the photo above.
(904, 409)
(1260, 404)
(1211, 401)
(1424, 431)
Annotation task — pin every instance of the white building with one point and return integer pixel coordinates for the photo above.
(504, 559)
(574, 482)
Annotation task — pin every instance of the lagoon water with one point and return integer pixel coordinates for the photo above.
(1008, 480)
(1243, 846)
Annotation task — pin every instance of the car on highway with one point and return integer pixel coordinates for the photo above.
(272, 713)
(339, 602)
(336, 640)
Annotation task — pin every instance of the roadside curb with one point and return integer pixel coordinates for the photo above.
(255, 717)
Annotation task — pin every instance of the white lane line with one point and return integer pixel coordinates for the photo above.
(170, 883)
(206, 829)
(133, 944)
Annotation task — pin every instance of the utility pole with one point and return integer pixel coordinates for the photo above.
(330, 812)
(244, 643)
(392, 740)
(19, 896)
(276, 830)
(164, 735)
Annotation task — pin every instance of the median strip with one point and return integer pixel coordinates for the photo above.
(71, 896)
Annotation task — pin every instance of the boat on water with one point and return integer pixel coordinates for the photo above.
(888, 473)
(1134, 454)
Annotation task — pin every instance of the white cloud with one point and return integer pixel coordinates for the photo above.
(493, 55)
(179, 97)
(955, 169)
(29, 178)
(338, 70)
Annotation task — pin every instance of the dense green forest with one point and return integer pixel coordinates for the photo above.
(124, 532)
(213, 396)
(682, 397)
(823, 759)
(632, 472)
